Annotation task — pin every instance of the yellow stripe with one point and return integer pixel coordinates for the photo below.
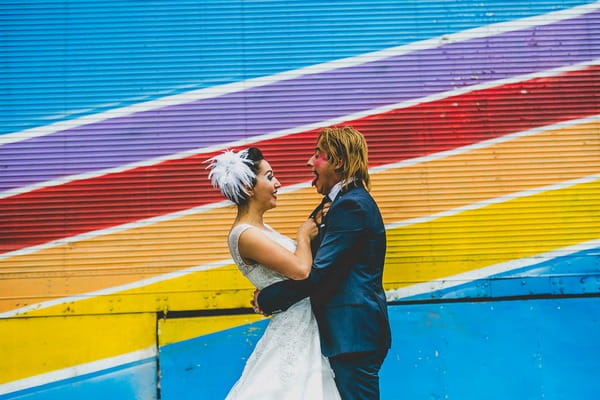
(33, 346)
(473, 239)
(446, 246)
(512, 166)
(179, 329)
(199, 239)
(467, 241)
(417, 253)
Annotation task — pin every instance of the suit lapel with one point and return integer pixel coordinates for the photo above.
(322, 230)
(325, 219)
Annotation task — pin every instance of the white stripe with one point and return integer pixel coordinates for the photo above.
(133, 285)
(287, 189)
(215, 91)
(78, 370)
(222, 263)
(497, 200)
(292, 188)
(115, 289)
(485, 143)
(470, 276)
(392, 295)
(298, 129)
(134, 225)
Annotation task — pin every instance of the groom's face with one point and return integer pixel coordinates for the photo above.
(325, 175)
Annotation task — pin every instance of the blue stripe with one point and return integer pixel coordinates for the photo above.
(573, 274)
(66, 59)
(136, 380)
(207, 367)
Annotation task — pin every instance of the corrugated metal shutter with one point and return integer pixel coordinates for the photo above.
(481, 119)
(93, 193)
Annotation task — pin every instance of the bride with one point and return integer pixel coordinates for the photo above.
(287, 362)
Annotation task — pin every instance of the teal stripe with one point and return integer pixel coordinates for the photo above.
(136, 380)
(572, 274)
(206, 367)
(499, 350)
(66, 59)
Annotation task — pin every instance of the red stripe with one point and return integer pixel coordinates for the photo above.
(85, 205)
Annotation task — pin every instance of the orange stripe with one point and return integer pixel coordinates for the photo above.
(402, 193)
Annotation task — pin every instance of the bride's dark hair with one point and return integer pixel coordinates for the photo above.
(255, 155)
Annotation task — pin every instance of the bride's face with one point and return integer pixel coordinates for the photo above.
(264, 192)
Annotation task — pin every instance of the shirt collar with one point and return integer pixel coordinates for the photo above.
(336, 189)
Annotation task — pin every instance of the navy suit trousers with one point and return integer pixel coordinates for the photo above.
(357, 374)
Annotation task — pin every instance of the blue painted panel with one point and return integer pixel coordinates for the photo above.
(134, 381)
(62, 59)
(208, 366)
(518, 350)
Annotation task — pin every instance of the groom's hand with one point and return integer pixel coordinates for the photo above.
(254, 303)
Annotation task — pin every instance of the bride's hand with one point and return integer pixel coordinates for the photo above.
(320, 215)
(308, 229)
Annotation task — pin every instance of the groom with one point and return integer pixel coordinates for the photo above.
(345, 284)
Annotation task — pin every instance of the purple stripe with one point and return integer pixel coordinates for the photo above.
(304, 100)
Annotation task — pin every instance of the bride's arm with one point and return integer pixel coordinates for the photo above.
(256, 247)
(338, 251)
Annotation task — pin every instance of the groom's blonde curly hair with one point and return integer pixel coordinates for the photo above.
(347, 146)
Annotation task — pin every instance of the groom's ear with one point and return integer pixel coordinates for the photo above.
(339, 166)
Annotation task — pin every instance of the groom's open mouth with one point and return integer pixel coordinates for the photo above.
(314, 181)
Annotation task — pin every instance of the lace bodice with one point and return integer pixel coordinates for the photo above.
(287, 362)
(258, 274)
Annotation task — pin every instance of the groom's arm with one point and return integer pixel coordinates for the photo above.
(281, 295)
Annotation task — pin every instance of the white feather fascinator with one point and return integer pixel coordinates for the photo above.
(231, 173)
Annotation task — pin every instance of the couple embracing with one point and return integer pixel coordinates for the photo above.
(329, 331)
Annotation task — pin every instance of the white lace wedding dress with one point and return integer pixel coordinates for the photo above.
(287, 363)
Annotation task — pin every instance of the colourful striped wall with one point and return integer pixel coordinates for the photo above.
(483, 124)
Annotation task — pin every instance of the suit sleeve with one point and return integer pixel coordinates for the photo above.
(344, 229)
(281, 295)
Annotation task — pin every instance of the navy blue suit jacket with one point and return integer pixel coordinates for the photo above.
(345, 284)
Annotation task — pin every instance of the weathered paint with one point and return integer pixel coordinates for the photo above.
(174, 330)
(48, 350)
(519, 349)
(129, 380)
